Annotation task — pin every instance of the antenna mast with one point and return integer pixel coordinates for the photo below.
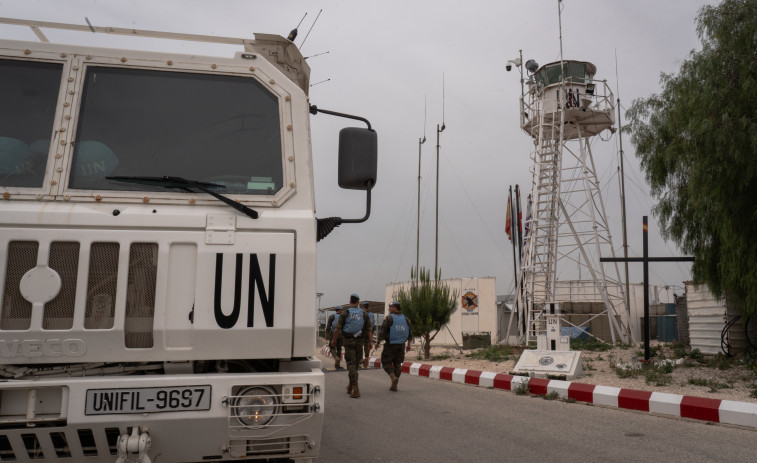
(436, 241)
(418, 231)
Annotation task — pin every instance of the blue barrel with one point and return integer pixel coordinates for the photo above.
(667, 327)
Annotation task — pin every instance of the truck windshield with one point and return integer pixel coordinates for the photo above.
(28, 96)
(219, 129)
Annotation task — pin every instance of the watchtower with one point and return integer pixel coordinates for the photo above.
(566, 231)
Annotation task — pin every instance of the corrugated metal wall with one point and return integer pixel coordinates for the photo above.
(707, 318)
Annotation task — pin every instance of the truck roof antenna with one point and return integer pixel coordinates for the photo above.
(292, 35)
(311, 28)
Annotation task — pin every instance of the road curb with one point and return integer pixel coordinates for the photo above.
(698, 408)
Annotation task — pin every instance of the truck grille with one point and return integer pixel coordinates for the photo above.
(64, 259)
(17, 311)
(292, 445)
(50, 445)
(101, 286)
(100, 291)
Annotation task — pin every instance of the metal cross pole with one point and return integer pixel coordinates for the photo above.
(646, 260)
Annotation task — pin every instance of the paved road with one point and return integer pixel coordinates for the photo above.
(440, 421)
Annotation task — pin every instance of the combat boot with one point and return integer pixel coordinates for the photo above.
(365, 362)
(337, 364)
(349, 388)
(355, 391)
(395, 380)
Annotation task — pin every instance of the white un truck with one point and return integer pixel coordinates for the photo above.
(158, 251)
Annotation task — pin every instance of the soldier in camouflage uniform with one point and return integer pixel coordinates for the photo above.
(336, 351)
(353, 326)
(395, 330)
(368, 341)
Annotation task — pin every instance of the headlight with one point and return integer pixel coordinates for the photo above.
(256, 406)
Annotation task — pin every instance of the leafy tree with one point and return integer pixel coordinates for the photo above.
(428, 304)
(697, 142)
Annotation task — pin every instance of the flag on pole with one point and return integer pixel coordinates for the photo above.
(520, 216)
(527, 224)
(508, 226)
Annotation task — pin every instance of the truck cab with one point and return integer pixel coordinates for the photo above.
(157, 253)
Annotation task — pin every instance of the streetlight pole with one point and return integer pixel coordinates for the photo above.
(436, 254)
(418, 232)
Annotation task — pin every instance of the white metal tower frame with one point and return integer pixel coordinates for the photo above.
(563, 108)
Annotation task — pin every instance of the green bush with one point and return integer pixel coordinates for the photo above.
(695, 354)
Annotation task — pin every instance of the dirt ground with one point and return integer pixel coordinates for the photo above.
(700, 376)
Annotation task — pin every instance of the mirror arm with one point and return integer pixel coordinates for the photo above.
(314, 110)
(327, 225)
(367, 206)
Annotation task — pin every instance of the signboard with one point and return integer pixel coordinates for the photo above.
(470, 301)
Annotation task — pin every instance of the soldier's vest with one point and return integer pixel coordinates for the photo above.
(354, 323)
(336, 320)
(399, 331)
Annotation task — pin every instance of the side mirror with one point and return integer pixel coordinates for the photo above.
(358, 156)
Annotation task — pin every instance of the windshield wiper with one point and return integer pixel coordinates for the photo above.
(188, 185)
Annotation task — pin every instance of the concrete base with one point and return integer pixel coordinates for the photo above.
(543, 363)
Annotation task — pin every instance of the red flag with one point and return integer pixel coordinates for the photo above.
(508, 226)
(520, 216)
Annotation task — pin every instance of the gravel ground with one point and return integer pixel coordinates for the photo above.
(736, 382)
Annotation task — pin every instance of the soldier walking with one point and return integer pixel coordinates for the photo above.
(368, 344)
(353, 325)
(336, 351)
(395, 330)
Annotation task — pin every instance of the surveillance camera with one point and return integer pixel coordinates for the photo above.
(508, 66)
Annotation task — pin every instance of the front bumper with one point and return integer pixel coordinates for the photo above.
(48, 420)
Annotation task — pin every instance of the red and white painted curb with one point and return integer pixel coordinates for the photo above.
(698, 408)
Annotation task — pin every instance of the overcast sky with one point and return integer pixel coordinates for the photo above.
(385, 59)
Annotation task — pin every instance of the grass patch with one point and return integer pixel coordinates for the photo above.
(492, 354)
(713, 385)
(657, 377)
(522, 388)
(679, 350)
(630, 373)
(698, 381)
(554, 395)
(441, 356)
(589, 344)
(653, 375)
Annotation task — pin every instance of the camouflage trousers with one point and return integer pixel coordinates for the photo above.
(392, 357)
(336, 352)
(366, 348)
(353, 354)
